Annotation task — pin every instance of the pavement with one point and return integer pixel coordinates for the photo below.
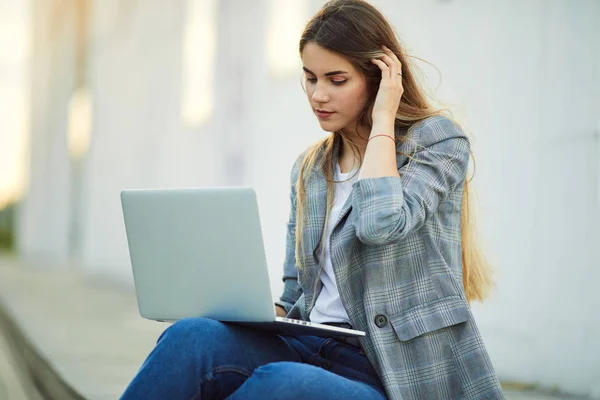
(13, 383)
(64, 335)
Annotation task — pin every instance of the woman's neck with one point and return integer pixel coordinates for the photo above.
(348, 160)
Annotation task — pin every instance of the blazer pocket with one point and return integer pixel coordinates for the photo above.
(430, 317)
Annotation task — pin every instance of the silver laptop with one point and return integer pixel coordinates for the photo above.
(199, 252)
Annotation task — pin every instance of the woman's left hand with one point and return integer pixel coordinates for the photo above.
(390, 89)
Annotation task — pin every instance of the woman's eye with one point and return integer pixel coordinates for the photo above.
(333, 82)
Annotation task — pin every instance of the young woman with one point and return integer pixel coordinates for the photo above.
(378, 239)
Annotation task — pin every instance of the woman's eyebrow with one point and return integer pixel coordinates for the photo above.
(327, 74)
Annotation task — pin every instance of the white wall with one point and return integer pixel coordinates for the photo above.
(525, 77)
(135, 82)
(44, 213)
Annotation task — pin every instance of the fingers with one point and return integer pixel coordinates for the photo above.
(385, 70)
(389, 64)
(397, 70)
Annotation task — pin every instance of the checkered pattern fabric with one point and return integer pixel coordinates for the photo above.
(396, 254)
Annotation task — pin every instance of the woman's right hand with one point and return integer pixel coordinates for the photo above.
(280, 311)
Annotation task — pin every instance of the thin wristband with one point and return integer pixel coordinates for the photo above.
(374, 136)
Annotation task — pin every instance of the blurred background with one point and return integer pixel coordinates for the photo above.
(101, 95)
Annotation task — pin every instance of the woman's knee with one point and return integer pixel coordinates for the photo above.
(305, 381)
(289, 369)
(189, 332)
(304, 378)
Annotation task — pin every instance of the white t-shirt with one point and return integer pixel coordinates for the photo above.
(329, 307)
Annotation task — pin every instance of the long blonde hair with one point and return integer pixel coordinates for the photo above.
(357, 30)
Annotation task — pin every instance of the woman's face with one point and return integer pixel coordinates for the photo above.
(336, 91)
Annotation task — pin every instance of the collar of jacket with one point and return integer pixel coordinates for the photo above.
(316, 196)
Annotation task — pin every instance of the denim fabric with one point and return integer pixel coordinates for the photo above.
(199, 358)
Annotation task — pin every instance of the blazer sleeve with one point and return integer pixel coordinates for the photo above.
(291, 288)
(387, 209)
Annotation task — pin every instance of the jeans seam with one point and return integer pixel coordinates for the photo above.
(343, 346)
(347, 345)
(219, 370)
(318, 353)
(334, 354)
(292, 349)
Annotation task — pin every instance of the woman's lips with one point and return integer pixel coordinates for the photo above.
(323, 114)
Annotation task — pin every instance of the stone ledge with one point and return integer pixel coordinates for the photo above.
(78, 338)
(30, 373)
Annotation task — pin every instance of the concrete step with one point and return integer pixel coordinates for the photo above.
(79, 338)
(15, 381)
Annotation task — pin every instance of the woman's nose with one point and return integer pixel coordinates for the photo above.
(320, 95)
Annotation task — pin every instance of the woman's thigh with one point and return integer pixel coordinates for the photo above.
(205, 358)
(293, 380)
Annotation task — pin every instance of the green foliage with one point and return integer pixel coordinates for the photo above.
(7, 228)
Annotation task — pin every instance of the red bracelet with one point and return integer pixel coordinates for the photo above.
(381, 135)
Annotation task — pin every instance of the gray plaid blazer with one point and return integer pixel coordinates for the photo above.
(396, 253)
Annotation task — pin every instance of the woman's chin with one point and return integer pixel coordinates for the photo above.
(330, 126)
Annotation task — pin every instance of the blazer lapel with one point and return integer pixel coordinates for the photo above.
(400, 160)
(316, 207)
(348, 204)
(317, 203)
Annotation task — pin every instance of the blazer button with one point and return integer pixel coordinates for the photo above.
(381, 320)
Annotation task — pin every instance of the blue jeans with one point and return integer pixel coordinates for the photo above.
(199, 358)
